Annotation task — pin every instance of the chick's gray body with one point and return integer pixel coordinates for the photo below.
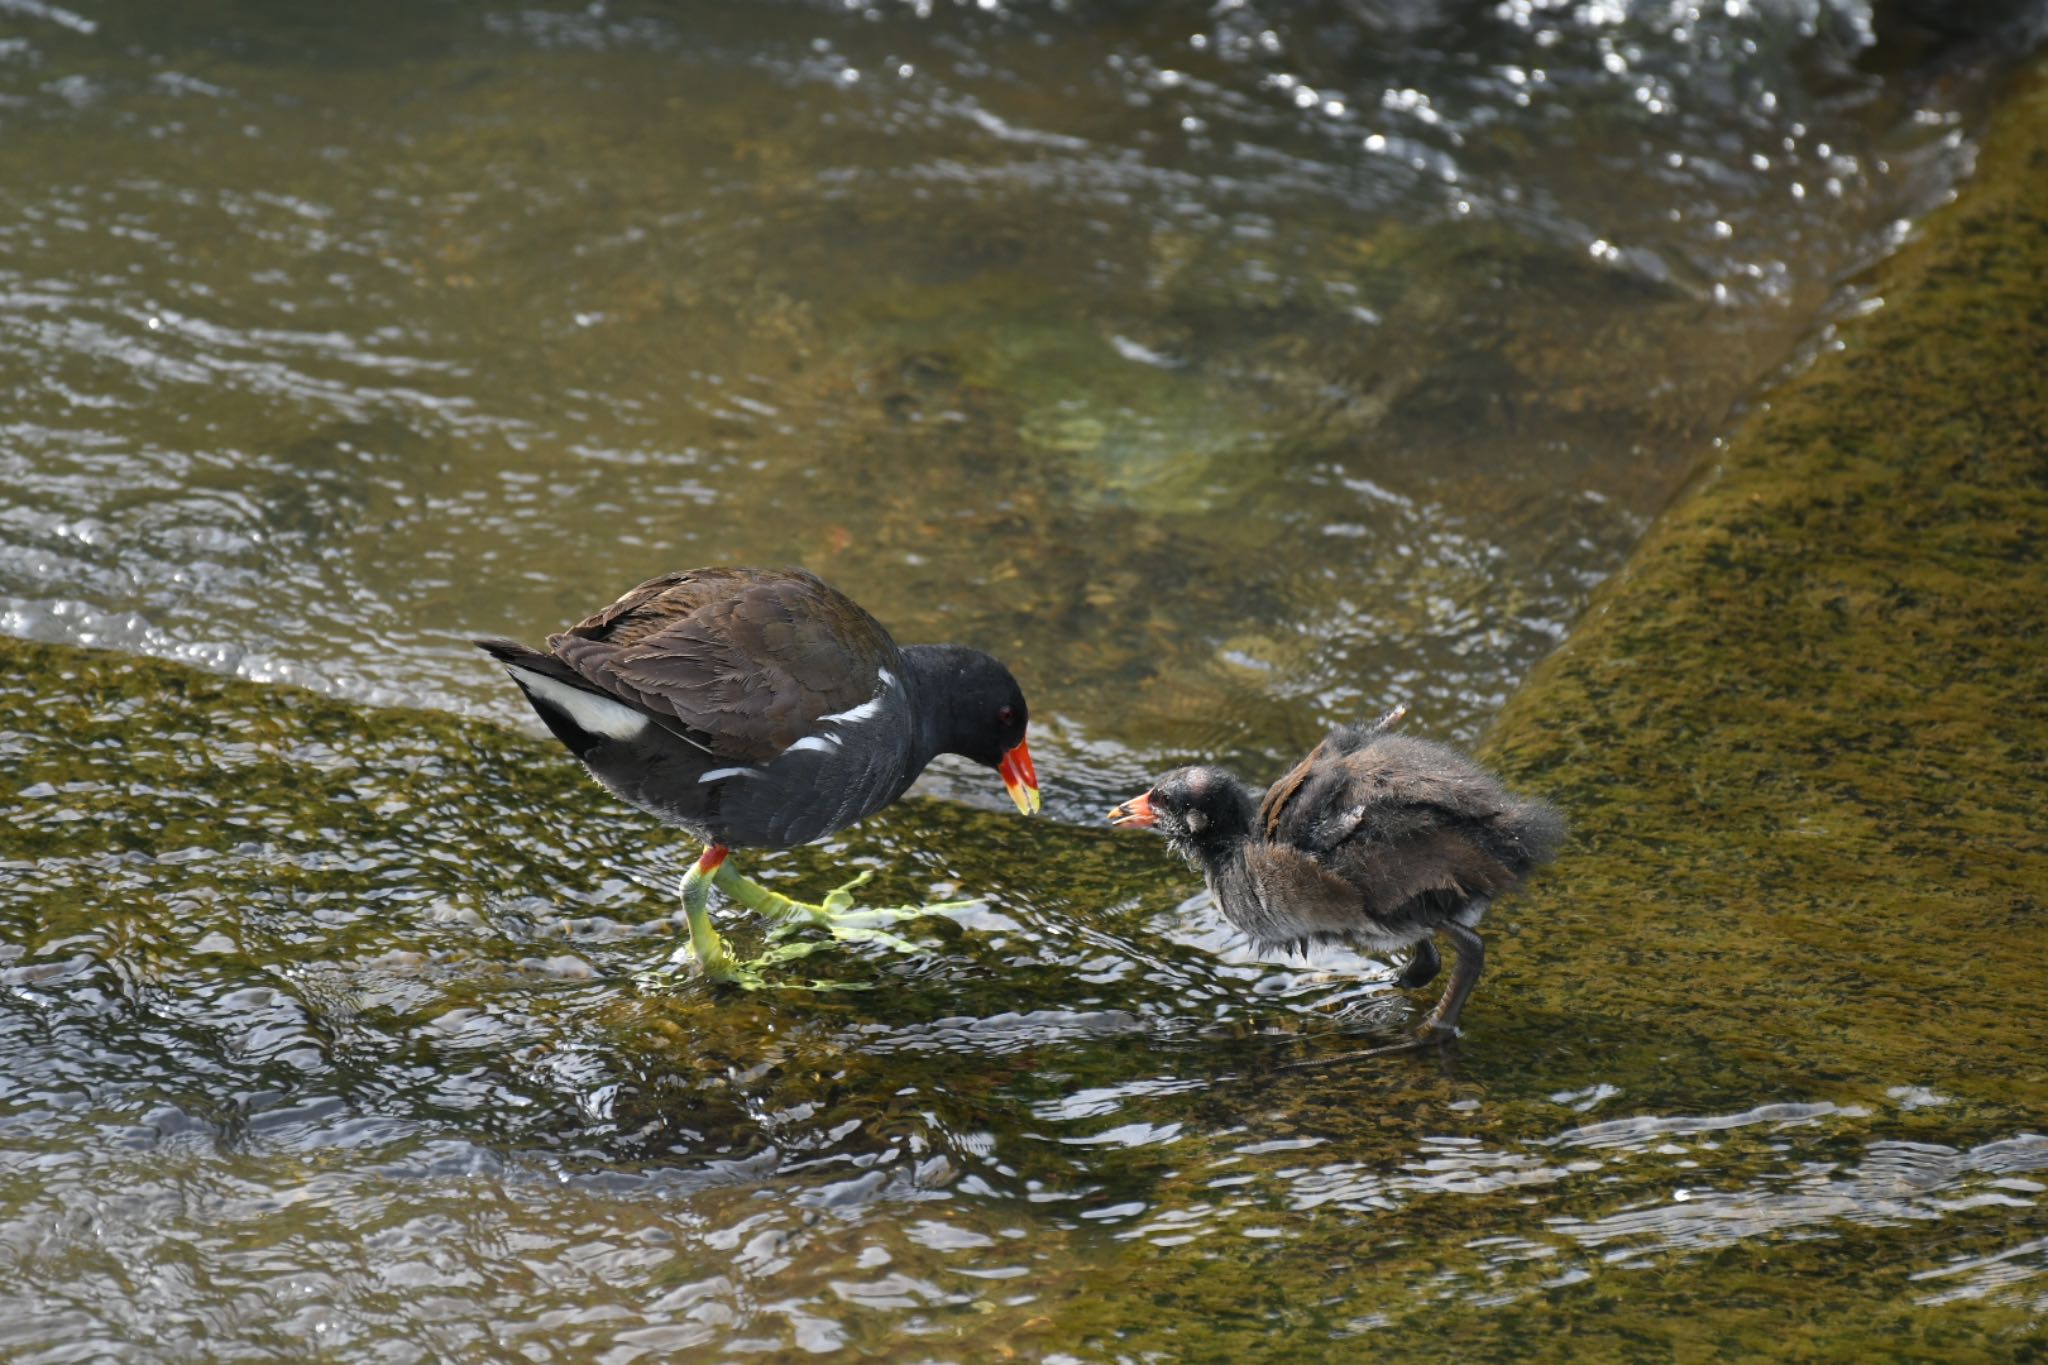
(1378, 840)
(1375, 840)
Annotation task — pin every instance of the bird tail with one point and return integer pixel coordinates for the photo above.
(1542, 828)
(578, 714)
(510, 652)
(527, 662)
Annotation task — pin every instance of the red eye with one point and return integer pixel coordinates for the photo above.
(1006, 716)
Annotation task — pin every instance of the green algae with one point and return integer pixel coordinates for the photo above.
(425, 915)
(1805, 730)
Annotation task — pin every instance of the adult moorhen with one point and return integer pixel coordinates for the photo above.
(1375, 840)
(760, 708)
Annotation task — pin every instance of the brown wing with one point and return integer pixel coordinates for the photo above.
(1326, 764)
(742, 661)
(1334, 892)
(1396, 819)
(1389, 875)
(1281, 793)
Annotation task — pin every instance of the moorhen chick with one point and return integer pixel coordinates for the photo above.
(760, 708)
(1374, 840)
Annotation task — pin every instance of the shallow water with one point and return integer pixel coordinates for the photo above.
(1228, 388)
(1229, 373)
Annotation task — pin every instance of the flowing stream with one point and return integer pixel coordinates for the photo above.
(1232, 370)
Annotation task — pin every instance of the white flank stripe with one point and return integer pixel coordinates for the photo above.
(856, 715)
(598, 715)
(716, 773)
(866, 709)
(824, 744)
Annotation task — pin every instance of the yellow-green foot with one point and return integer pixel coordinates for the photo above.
(726, 971)
(707, 954)
(835, 914)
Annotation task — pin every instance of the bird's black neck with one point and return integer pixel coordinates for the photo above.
(947, 716)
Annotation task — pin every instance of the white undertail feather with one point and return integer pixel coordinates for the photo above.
(598, 715)
(716, 774)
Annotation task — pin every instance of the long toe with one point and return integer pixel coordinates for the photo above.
(874, 916)
(840, 898)
(738, 974)
(846, 916)
(852, 926)
(1338, 1058)
(792, 952)
(854, 933)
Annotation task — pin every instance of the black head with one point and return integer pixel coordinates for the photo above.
(1203, 811)
(972, 707)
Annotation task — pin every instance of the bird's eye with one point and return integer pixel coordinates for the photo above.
(1006, 716)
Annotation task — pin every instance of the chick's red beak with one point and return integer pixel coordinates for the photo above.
(1021, 778)
(1137, 812)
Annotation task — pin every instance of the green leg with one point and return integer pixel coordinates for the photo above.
(706, 950)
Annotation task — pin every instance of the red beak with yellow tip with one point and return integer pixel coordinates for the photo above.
(1021, 778)
(1137, 812)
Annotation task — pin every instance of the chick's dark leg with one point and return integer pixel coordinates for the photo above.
(1423, 965)
(1442, 1022)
